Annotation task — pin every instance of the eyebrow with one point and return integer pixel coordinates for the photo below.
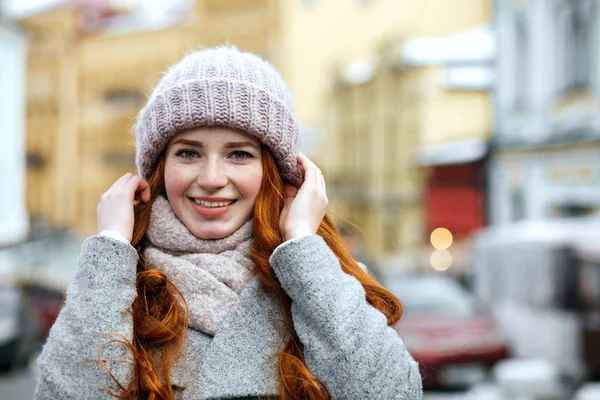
(188, 142)
(240, 144)
(228, 145)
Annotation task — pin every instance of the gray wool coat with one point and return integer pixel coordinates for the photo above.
(347, 343)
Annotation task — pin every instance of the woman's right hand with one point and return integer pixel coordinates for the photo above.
(115, 211)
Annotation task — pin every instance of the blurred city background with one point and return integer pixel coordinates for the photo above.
(461, 139)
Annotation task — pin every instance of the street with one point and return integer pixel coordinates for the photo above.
(444, 396)
(20, 385)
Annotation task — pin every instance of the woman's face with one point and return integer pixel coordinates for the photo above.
(212, 178)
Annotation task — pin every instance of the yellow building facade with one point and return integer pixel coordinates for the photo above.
(85, 91)
(373, 131)
(382, 119)
(319, 35)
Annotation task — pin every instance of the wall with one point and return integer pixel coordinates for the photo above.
(14, 219)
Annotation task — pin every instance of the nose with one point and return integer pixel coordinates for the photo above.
(212, 176)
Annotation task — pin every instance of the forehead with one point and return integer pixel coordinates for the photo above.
(216, 135)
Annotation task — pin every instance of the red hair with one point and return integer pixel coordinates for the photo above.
(159, 320)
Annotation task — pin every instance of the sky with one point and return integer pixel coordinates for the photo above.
(16, 8)
(146, 14)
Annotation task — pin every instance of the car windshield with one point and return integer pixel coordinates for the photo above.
(433, 295)
(9, 299)
(590, 285)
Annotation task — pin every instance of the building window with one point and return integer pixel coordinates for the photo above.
(35, 161)
(522, 55)
(119, 158)
(391, 231)
(517, 203)
(124, 99)
(393, 148)
(570, 210)
(574, 30)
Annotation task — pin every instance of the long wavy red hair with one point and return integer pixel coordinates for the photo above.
(160, 319)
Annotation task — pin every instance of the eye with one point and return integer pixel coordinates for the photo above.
(186, 153)
(241, 155)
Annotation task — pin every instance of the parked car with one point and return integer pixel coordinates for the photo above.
(47, 302)
(445, 328)
(544, 276)
(19, 327)
(588, 391)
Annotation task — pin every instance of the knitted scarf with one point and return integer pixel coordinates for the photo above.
(210, 274)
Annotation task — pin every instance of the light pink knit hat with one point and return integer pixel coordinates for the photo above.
(221, 86)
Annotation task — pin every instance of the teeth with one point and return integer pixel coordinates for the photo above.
(211, 204)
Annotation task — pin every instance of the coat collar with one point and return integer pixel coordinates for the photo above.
(241, 360)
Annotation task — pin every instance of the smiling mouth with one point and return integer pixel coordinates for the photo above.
(213, 204)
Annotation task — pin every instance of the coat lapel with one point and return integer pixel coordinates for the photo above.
(241, 360)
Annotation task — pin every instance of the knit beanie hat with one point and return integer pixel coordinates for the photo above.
(220, 86)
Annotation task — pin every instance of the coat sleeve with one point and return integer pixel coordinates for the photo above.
(347, 342)
(96, 308)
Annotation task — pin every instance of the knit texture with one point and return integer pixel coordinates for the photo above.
(210, 274)
(102, 289)
(347, 343)
(221, 86)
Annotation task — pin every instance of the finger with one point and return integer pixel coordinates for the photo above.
(132, 186)
(289, 194)
(310, 169)
(290, 191)
(308, 164)
(118, 183)
(143, 191)
(300, 167)
(305, 161)
(122, 181)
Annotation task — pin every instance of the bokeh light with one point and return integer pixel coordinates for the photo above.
(441, 238)
(441, 260)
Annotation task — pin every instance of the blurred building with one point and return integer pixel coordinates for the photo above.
(321, 35)
(409, 131)
(89, 67)
(545, 161)
(92, 62)
(14, 221)
(371, 173)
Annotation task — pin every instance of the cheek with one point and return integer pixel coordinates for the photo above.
(176, 180)
(251, 181)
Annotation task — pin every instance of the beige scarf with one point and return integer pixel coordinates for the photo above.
(210, 274)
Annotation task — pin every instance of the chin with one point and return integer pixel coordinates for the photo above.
(212, 234)
(216, 232)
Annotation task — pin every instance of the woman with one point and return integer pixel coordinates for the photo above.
(216, 274)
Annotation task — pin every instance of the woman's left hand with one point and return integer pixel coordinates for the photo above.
(304, 208)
